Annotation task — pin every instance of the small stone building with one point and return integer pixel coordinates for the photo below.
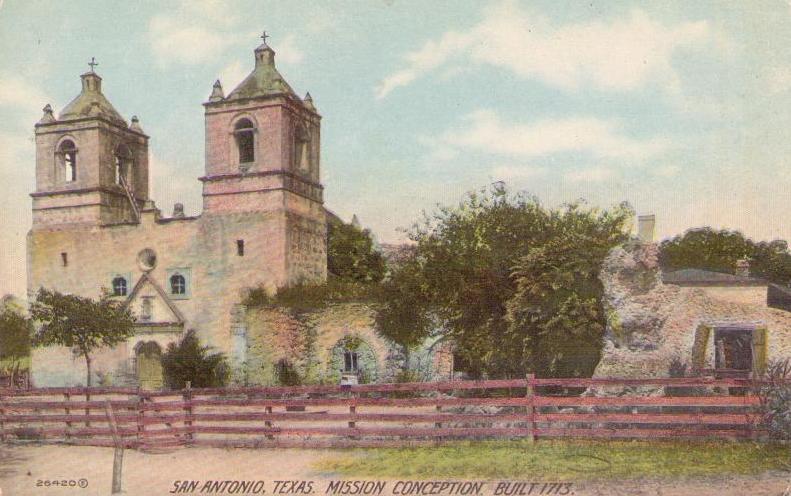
(710, 322)
(263, 222)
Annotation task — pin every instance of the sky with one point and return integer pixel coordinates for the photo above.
(681, 108)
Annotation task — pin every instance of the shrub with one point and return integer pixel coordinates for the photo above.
(407, 376)
(287, 374)
(775, 399)
(679, 368)
(307, 297)
(187, 360)
(27, 433)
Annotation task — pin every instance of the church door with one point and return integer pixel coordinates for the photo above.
(149, 366)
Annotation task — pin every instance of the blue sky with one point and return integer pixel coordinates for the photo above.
(682, 109)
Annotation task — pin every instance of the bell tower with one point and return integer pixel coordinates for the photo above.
(91, 167)
(263, 158)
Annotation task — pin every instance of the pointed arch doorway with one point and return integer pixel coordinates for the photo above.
(148, 360)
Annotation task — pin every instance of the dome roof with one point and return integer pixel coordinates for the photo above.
(91, 102)
(264, 80)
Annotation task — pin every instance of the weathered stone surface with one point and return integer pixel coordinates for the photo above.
(651, 323)
(263, 224)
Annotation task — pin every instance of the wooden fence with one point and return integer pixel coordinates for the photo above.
(385, 414)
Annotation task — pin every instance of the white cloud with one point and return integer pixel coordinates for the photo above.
(514, 172)
(593, 174)
(19, 96)
(175, 40)
(233, 74)
(620, 54)
(484, 131)
(202, 31)
(288, 51)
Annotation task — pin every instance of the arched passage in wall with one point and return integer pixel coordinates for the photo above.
(148, 365)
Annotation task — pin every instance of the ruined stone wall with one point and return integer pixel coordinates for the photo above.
(313, 343)
(650, 323)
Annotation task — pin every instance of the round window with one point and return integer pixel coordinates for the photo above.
(147, 259)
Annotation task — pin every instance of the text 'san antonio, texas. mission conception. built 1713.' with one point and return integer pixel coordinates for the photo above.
(263, 222)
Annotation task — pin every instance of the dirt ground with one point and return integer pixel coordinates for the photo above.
(24, 470)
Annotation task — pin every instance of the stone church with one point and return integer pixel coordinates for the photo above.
(95, 228)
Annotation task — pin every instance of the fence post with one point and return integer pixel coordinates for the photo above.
(352, 411)
(118, 454)
(187, 396)
(141, 426)
(268, 423)
(87, 409)
(2, 419)
(67, 399)
(531, 413)
(438, 425)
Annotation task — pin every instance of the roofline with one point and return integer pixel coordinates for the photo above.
(125, 127)
(222, 177)
(710, 283)
(282, 95)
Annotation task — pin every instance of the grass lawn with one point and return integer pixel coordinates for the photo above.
(561, 460)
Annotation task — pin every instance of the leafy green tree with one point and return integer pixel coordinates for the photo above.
(81, 323)
(771, 260)
(188, 360)
(462, 279)
(556, 316)
(403, 315)
(351, 253)
(705, 248)
(15, 336)
(720, 250)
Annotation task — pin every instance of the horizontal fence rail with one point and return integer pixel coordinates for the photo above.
(386, 414)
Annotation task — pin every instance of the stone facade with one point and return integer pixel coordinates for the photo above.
(263, 222)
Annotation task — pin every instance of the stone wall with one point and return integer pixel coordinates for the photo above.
(313, 342)
(205, 247)
(650, 323)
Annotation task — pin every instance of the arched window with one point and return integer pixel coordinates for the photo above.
(178, 285)
(121, 165)
(301, 149)
(350, 361)
(244, 131)
(119, 286)
(119, 169)
(68, 155)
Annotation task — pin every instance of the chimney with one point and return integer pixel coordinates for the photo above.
(743, 268)
(178, 211)
(645, 228)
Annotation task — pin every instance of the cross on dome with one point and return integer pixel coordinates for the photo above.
(264, 37)
(93, 63)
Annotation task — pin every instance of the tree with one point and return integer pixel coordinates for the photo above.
(188, 360)
(771, 260)
(81, 323)
(351, 253)
(402, 313)
(556, 316)
(461, 279)
(705, 248)
(720, 250)
(15, 335)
